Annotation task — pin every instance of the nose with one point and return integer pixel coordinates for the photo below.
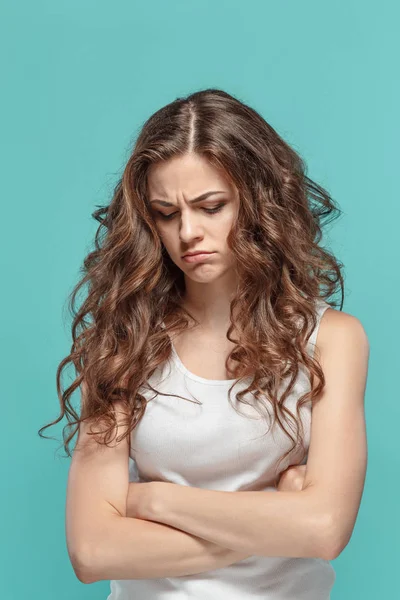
(189, 229)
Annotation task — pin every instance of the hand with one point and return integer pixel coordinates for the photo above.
(292, 480)
(139, 499)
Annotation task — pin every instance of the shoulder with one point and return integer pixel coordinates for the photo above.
(341, 331)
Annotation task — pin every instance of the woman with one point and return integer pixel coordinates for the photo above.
(207, 282)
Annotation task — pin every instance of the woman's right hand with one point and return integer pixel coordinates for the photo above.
(292, 480)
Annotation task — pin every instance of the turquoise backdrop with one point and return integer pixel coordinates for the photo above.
(79, 78)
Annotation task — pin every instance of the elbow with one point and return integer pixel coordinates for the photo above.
(84, 566)
(331, 551)
(331, 544)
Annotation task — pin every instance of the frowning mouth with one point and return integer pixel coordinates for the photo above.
(197, 256)
(197, 252)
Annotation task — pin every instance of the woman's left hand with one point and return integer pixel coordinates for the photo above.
(292, 479)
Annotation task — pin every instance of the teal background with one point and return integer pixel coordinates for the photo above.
(79, 78)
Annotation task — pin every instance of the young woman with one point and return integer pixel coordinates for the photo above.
(221, 445)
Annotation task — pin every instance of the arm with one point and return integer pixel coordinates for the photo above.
(268, 523)
(319, 520)
(139, 549)
(179, 553)
(131, 548)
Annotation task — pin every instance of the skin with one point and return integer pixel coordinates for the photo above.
(209, 285)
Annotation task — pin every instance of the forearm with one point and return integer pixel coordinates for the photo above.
(263, 523)
(130, 548)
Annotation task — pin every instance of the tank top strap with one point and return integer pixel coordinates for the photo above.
(320, 308)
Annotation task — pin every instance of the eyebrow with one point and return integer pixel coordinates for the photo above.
(198, 199)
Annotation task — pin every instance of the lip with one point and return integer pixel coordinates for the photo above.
(197, 256)
(197, 252)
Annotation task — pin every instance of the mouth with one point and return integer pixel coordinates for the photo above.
(197, 257)
(196, 253)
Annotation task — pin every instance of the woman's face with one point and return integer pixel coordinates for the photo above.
(187, 226)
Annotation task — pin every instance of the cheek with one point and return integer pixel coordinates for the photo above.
(226, 223)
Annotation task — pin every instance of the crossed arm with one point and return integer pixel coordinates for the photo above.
(133, 547)
(229, 526)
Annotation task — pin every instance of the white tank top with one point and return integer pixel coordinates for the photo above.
(210, 445)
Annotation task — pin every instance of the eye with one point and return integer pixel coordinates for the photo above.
(210, 211)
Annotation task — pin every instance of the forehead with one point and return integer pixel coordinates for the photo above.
(190, 175)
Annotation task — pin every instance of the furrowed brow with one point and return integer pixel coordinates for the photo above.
(193, 201)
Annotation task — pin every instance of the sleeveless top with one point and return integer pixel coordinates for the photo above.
(206, 443)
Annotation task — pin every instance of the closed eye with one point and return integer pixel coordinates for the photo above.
(207, 210)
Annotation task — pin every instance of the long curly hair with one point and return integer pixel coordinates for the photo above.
(122, 330)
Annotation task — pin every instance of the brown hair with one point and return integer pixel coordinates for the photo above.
(134, 288)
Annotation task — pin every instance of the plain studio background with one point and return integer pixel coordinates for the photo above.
(78, 81)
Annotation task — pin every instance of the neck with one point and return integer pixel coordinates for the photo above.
(209, 302)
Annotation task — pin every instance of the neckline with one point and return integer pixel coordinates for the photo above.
(185, 371)
(197, 378)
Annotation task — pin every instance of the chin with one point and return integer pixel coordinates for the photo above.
(205, 275)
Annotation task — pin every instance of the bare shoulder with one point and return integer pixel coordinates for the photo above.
(341, 330)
